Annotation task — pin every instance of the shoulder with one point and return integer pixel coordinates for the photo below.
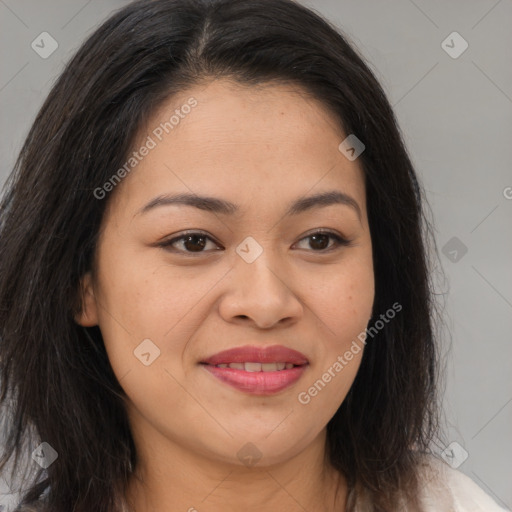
(444, 489)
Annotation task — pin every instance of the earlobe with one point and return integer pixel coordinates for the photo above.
(88, 314)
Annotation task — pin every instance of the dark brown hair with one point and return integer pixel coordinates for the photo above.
(56, 375)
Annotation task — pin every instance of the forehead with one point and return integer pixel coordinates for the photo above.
(242, 142)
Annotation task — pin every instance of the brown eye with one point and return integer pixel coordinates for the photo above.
(319, 241)
(193, 242)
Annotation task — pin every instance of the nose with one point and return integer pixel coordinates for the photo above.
(261, 293)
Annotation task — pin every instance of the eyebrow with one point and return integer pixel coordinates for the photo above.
(221, 206)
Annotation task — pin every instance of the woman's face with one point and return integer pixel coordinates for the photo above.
(255, 276)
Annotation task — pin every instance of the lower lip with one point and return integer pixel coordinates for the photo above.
(257, 383)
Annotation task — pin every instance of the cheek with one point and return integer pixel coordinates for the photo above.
(143, 299)
(343, 304)
(146, 297)
(343, 300)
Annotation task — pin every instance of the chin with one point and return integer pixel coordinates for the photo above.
(258, 450)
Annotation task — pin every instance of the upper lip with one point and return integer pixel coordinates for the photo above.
(256, 354)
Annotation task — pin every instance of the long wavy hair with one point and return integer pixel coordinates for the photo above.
(57, 384)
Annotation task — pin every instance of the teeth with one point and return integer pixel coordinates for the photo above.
(257, 367)
(252, 367)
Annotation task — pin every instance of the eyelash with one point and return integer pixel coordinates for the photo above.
(340, 241)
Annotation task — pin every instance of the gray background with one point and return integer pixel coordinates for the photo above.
(456, 117)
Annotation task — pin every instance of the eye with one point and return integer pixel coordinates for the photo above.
(196, 242)
(319, 240)
(192, 241)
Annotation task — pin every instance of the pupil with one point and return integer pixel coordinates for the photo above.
(325, 238)
(194, 238)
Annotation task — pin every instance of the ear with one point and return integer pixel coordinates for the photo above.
(88, 314)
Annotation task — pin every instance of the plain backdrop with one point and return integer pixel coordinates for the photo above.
(455, 111)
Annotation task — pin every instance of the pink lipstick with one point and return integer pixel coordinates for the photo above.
(257, 370)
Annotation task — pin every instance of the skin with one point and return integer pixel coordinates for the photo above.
(260, 148)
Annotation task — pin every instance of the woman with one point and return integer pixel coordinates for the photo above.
(214, 282)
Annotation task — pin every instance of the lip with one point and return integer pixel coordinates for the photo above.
(254, 354)
(257, 383)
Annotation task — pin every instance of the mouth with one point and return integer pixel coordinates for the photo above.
(257, 367)
(257, 370)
